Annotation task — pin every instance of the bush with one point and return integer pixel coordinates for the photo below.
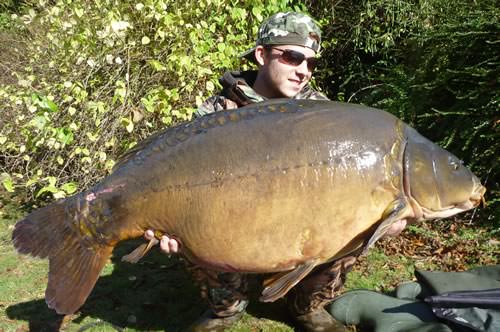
(85, 81)
(101, 75)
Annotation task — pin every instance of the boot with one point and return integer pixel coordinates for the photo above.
(319, 320)
(209, 322)
(385, 313)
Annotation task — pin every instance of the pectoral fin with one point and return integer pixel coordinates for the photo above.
(397, 210)
(279, 285)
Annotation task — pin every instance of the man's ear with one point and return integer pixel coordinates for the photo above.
(260, 55)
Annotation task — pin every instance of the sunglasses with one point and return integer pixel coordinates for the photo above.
(295, 58)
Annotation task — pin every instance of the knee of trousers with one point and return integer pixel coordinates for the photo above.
(320, 287)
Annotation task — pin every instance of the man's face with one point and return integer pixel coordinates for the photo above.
(283, 78)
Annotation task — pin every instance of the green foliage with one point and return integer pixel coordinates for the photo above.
(433, 63)
(85, 81)
(10, 11)
(96, 77)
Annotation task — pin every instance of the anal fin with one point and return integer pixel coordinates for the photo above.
(278, 286)
(140, 251)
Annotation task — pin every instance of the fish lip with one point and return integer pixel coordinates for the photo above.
(467, 205)
(478, 194)
(444, 212)
(474, 200)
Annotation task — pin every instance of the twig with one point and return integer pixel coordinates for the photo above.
(362, 89)
(474, 213)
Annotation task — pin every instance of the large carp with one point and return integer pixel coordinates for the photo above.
(280, 186)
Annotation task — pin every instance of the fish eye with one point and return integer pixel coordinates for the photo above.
(455, 164)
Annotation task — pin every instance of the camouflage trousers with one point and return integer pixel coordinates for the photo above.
(227, 295)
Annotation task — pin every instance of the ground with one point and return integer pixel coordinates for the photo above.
(157, 295)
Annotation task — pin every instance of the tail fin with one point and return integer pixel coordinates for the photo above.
(73, 266)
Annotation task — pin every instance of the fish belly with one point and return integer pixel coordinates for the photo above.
(273, 191)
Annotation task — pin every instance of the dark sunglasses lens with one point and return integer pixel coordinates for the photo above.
(296, 58)
(311, 63)
(293, 58)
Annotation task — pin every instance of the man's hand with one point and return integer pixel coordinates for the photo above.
(230, 104)
(167, 245)
(396, 228)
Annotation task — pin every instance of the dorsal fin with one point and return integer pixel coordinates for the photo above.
(201, 124)
(129, 154)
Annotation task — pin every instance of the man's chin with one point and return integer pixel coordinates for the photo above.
(290, 93)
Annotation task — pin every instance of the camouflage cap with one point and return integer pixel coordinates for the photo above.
(288, 28)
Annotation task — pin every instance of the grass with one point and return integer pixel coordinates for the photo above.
(157, 294)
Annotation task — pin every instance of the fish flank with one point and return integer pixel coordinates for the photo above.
(220, 179)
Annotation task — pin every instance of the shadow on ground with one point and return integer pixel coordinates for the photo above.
(155, 294)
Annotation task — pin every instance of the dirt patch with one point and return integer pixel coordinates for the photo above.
(12, 56)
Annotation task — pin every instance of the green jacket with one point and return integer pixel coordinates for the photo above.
(237, 87)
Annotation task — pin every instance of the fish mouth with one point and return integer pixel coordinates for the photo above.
(477, 196)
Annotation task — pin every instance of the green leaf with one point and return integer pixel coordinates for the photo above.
(7, 182)
(257, 12)
(221, 47)
(69, 187)
(49, 188)
(52, 180)
(39, 122)
(65, 135)
(79, 12)
(128, 124)
(102, 156)
(157, 65)
(35, 98)
(44, 103)
(32, 181)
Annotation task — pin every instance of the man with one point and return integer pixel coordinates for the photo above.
(285, 53)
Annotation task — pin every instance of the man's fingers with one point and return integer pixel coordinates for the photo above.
(164, 244)
(168, 245)
(173, 245)
(149, 234)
